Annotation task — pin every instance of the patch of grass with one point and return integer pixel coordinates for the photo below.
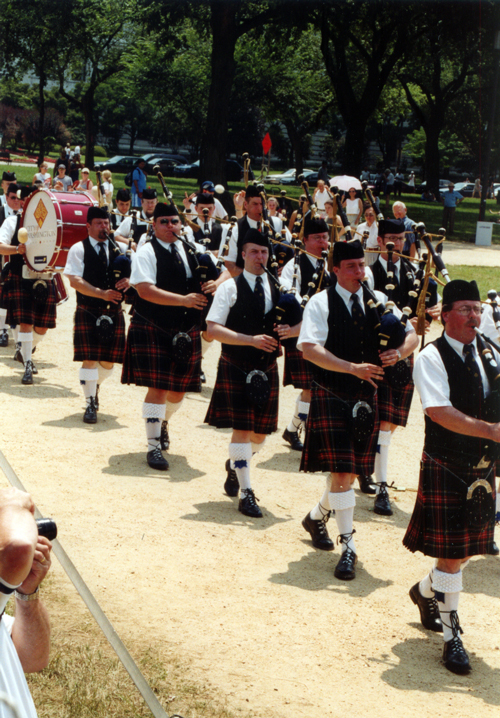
(486, 277)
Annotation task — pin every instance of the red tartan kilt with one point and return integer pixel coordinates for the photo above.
(3, 297)
(298, 372)
(86, 346)
(394, 406)
(22, 308)
(328, 444)
(148, 362)
(229, 407)
(438, 526)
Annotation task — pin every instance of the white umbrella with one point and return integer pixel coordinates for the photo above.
(344, 182)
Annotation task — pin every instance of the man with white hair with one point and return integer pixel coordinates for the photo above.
(399, 211)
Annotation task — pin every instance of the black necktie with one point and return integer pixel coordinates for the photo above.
(178, 259)
(259, 294)
(473, 369)
(357, 313)
(102, 254)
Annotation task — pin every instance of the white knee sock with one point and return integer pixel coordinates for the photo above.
(205, 345)
(300, 415)
(171, 408)
(425, 585)
(37, 338)
(88, 382)
(257, 447)
(26, 339)
(153, 414)
(3, 317)
(240, 455)
(103, 374)
(447, 587)
(382, 457)
(15, 333)
(343, 504)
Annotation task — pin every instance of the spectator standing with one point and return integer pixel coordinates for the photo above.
(139, 180)
(365, 175)
(323, 172)
(369, 225)
(411, 182)
(43, 176)
(320, 196)
(108, 187)
(398, 183)
(86, 183)
(451, 199)
(399, 211)
(353, 207)
(477, 188)
(63, 183)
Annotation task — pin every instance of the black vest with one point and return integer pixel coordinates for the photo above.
(306, 274)
(405, 283)
(350, 343)
(170, 278)
(442, 442)
(214, 236)
(114, 221)
(96, 274)
(246, 317)
(16, 261)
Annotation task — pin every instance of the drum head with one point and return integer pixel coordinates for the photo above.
(40, 221)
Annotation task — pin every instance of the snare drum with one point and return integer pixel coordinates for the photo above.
(61, 293)
(55, 221)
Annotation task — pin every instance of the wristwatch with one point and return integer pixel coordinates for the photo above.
(28, 596)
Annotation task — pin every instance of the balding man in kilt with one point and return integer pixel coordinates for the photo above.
(99, 325)
(242, 318)
(298, 372)
(454, 514)
(163, 344)
(393, 403)
(339, 334)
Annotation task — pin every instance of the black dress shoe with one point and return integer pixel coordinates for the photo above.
(164, 437)
(96, 400)
(345, 570)
(18, 354)
(494, 549)
(318, 531)
(4, 338)
(248, 504)
(28, 373)
(455, 656)
(382, 505)
(90, 416)
(292, 437)
(156, 460)
(429, 610)
(34, 369)
(366, 485)
(203, 378)
(231, 484)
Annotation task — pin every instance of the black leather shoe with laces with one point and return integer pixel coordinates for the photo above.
(382, 505)
(90, 416)
(18, 355)
(231, 484)
(429, 610)
(292, 437)
(4, 338)
(366, 485)
(164, 437)
(318, 531)
(455, 656)
(248, 504)
(28, 373)
(345, 570)
(156, 460)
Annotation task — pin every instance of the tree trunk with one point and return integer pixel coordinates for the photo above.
(223, 66)
(88, 113)
(41, 119)
(432, 131)
(296, 143)
(354, 143)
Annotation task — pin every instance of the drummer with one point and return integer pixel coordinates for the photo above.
(32, 308)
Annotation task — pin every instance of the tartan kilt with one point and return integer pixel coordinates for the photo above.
(394, 406)
(22, 308)
(438, 526)
(229, 407)
(329, 444)
(86, 344)
(298, 372)
(147, 360)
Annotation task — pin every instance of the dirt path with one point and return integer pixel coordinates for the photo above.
(250, 604)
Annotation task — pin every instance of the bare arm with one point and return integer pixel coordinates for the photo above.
(107, 295)
(453, 420)
(390, 357)
(155, 295)
(326, 360)
(228, 336)
(233, 270)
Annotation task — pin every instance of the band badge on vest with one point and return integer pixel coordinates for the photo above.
(182, 348)
(362, 421)
(257, 387)
(104, 329)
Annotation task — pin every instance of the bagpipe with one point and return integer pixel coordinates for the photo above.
(288, 309)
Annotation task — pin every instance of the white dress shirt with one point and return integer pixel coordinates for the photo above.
(226, 294)
(75, 260)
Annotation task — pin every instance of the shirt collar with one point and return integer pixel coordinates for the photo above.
(459, 346)
(346, 294)
(252, 277)
(95, 242)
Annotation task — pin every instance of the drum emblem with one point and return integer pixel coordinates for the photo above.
(40, 213)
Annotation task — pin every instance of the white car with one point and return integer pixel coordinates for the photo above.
(287, 177)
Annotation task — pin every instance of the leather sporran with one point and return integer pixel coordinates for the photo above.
(257, 388)
(479, 505)
(362, 422)
(104, 329)
(398, 375)
(182, 349)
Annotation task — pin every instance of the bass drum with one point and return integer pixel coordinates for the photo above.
(55, 221)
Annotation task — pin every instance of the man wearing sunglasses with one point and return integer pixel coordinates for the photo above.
(163, 344)
(455, 381)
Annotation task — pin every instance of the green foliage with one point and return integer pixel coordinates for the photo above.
(98, 150)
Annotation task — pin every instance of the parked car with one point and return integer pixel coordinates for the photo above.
(234, 171)
(443, 185)
(465, 188)
(155, 158)
(118, 163)
(288, 177)
(166, 165)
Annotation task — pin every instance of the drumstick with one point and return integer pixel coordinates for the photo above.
(22, 235)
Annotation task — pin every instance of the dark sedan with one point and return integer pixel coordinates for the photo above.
(118, 163)
(234, 171)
